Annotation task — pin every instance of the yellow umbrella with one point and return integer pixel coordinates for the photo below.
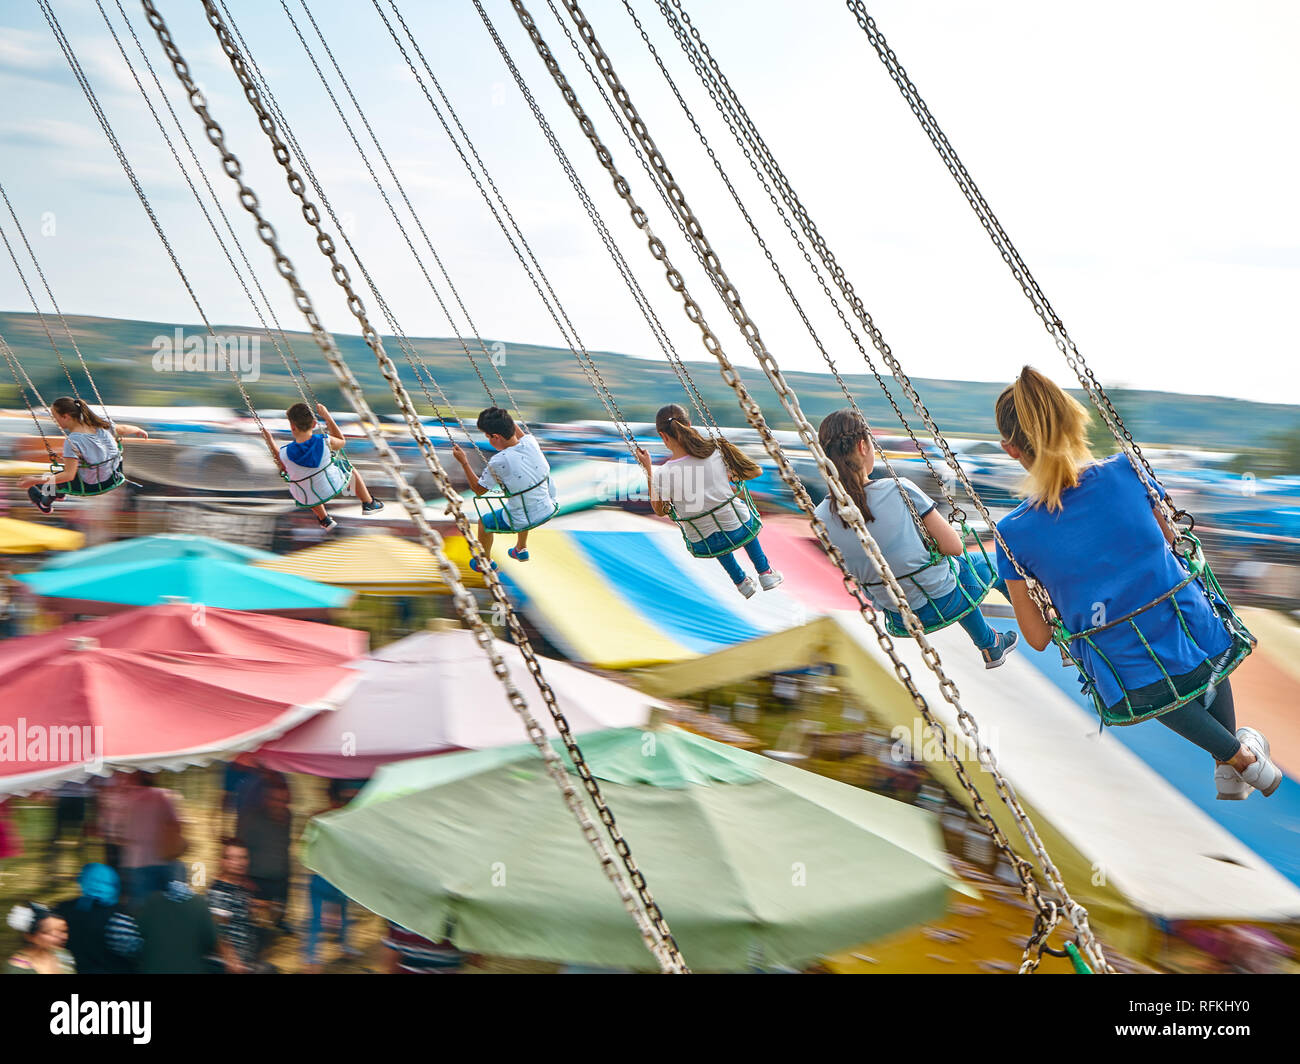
(27, 537)
(377, 565)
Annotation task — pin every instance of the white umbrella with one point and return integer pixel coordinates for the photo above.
(435, 691)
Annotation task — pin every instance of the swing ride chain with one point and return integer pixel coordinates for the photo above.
(384, 193)
(413, 358)
(789, 400)
(56, 28)
(1044, 925)
(647, 309)
(1036, 591)
(30, 295)
(908, 501)
(553, 305)
(16, 367)
(194, 191)
(1020, 271)
(654, 934)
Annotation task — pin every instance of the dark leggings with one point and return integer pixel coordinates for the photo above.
(1211, 727)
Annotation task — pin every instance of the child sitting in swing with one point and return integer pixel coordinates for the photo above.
(91, 454)
(518, 471)
(699, 484)
(308, 464)
(932, 589)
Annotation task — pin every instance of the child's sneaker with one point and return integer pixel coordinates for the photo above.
(473, 564)
(1229, 784)
(517, 554)
(1263, 775)
(748, 587)
(997, 653)
(328, 523)
(44, 502)
(373, 506)
(770, 579)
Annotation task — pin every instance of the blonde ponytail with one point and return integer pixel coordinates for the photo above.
(1051, 428)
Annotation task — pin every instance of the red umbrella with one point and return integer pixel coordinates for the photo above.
(163, 692)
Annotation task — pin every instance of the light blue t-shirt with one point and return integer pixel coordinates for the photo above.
(1101, 556)
(97, 452)
(895, 532)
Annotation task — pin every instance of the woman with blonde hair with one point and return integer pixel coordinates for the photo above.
(1091, 535)
(698, 484)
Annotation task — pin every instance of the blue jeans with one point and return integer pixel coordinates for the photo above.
(325, 893)
(974, 574)
(721, 540)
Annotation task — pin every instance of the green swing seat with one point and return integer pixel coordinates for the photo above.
(485, 505)
(81, 489)
(1126, 712)
(316, 493)
(751, 524)
(972, 602)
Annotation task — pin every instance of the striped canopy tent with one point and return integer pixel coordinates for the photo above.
(1137, 802)
(28, 537)
(376, 564)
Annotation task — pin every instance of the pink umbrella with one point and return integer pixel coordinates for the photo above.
(435, 691)
(74, 703)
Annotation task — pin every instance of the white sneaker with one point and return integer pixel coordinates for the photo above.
(770, 579)
(1229, 784)
(747, 587)
(1263, 775)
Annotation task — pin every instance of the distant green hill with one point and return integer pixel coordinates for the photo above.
(550, 386)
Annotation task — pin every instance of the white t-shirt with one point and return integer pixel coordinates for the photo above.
(695, 486)
(519, 467)
(92, 449)
(314, 476)
(896, 534)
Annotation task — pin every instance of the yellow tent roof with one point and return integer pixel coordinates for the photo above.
(11, 468)
(27, 537)
(377, 565)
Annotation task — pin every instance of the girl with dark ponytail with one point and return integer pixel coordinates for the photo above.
(91, 455)
(698, 483)
(932, 587)
(1088, 532)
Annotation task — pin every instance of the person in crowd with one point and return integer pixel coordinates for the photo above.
(232, 899)
(45, 934)
(73, 805)
(102, 935)
(152, 837)
(323, 893)
(178, 932)
(267, 831)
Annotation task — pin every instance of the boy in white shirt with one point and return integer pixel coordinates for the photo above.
(518, 470)
(308, 463)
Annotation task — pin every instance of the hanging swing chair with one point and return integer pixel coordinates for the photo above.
(741, 503)
(323, 485)
(493, 508)
(1131, 711)
(970, 601)
(109, 472)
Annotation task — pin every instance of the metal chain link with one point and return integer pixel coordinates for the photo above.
(847, 509)
(708, 69)
(298, 379)
(906, 496)
(660, 944)
(65, 46)
(657, 328)
(1020, 271)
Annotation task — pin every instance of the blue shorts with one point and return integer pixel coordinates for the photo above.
(498, 521)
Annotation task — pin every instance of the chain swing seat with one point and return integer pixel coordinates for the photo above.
(1128, 711)
(972, 601)
(320, 487)
(493, 508)
(750, 525)
(111, 479)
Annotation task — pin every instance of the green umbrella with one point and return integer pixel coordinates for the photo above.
(155, 548)
(751, 861)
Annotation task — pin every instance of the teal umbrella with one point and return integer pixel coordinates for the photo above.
(154, 548)
(209, 581)
(751, 861)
